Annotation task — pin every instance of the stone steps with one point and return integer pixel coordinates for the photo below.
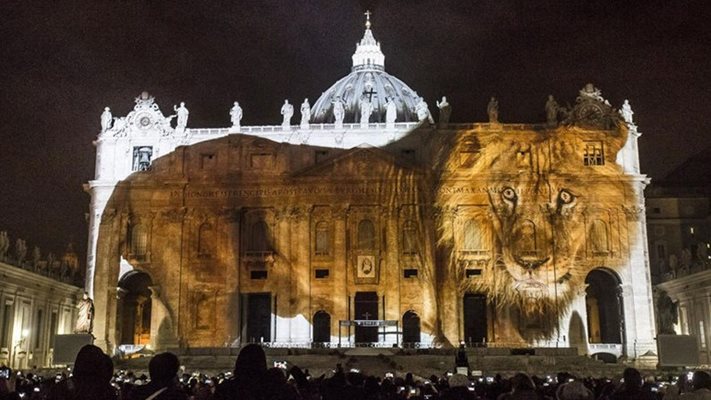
(378, 361)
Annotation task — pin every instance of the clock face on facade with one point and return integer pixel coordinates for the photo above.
(144, 121)
(590, 112)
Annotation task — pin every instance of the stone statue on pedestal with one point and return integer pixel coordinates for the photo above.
(305, 114)
(493, 110)
(106, 119)
(445, 110)
(390, 113)
(627, 112)
(236, 116)
(552, 111)
(36, 257)
(287, 110)
(85, 317)
(423, 111)
(4, 244)
(366, 108)
(339, 112)
(20, 250)
(182, 113)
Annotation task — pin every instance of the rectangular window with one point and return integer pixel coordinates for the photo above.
(410, 273)
(321, 273)
(258, 274)
(661, 252)
(142, 156)
(261, 161)
(408, 154)
(38, 330)
(320, 155)
(471, 272)
(6, 323)
(207, 161)
(593, 154)
(53, 328)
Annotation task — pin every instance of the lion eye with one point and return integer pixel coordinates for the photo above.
(509, 194)
(565, 197)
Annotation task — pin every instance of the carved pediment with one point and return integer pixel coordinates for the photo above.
(362, 162)
(591, 110)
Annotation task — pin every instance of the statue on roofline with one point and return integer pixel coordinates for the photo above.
(287, 110)
(106, 119)
(445, 110)
(236, 116)
(493, 110)
(305, 114)
(182, 113)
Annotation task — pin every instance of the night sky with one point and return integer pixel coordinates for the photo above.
(62, 62)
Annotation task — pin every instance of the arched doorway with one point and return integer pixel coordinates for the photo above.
(322, 327)
(603, 301)
(135, 308)
(410, 328)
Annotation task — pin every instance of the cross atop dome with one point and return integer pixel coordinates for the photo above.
(368, 54)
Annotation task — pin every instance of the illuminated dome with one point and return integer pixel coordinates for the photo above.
(367, 79)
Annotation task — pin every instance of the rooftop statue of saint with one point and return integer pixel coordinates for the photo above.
(20, 250)
(627, 112)
(85, 317)
(445, 110)
(182, 113)
(106, 119)
(493, 110)
(305, 114)
(390, 113)
(236, 116)
(339, 112)
(4, 244)
(287, 110)
(552, 108)
(423, 111)
(366, 108)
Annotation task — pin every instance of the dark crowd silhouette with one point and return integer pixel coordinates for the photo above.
(94, 378)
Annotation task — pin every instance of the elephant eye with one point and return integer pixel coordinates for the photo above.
(509, 194)
(565, 197)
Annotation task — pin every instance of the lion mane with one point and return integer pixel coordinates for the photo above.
(535, 222)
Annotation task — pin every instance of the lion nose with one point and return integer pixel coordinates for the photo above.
(531, 265)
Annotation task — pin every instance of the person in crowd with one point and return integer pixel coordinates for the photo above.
(163, 369)
(91, 378)
(631, 388)
(248, 382)
(522, 388)
(701, 383)
(575, 390)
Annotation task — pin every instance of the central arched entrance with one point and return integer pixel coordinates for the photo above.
(322, 327)
(603, 302)
(410, 328)
(135, 308)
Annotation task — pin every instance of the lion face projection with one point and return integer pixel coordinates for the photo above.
(542, 221)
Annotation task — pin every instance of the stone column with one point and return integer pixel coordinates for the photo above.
(340, 273)
(300, 277)
(390, 274)
(282, 275)
(233, 267)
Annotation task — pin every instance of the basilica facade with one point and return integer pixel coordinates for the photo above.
(367, 223)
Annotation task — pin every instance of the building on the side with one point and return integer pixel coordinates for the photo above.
(368, 223)
(38, 299)
(679, 220)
